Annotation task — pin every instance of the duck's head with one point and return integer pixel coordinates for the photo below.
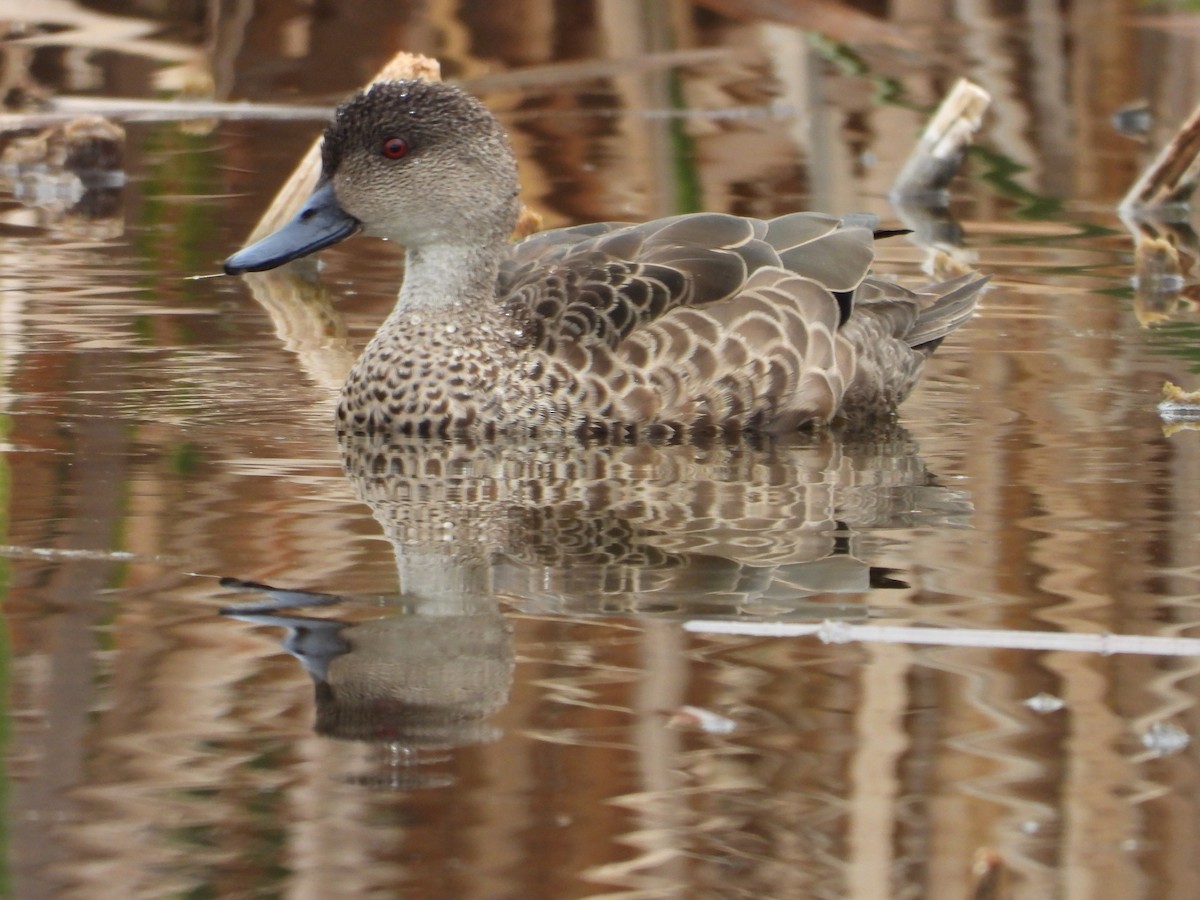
(417, 162)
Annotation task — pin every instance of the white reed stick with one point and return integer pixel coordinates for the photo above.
(835, 632)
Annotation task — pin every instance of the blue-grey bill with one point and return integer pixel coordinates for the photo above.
(319, 224)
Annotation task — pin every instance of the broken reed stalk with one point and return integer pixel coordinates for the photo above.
(938, 155)
(1171, 178)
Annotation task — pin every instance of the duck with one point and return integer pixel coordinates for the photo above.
(692, 324)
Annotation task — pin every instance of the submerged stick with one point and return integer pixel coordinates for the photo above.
(938, 155)
(1171, 178)
(831, 632)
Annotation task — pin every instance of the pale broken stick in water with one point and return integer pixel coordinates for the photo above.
(1171, 178)
(919, 191)
(831, 632)
(938, 155)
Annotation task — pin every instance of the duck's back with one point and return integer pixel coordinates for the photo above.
(711, 321)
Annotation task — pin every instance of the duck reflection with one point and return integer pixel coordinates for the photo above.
(422, 677)
(733, 529)
(730, 528)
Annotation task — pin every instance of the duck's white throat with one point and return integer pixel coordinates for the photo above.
(449, 274)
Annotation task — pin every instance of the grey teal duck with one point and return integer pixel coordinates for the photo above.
(689, 324)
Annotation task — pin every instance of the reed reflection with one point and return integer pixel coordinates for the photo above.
(71, 174)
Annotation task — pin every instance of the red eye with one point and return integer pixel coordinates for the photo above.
(395, 147)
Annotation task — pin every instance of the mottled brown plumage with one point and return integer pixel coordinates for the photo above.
(702, 322)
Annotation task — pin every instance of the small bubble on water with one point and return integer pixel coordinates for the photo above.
(1045, 703)
(1165, 739)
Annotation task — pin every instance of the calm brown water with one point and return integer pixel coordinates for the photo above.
(488, 690)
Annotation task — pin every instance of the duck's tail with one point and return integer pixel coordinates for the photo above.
(954, 304)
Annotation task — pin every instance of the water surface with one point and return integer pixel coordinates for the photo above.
(472, 678)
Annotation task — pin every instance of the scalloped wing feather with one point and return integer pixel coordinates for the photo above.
(600, 285)
(768, 358)
(717, 321)
(601, 282)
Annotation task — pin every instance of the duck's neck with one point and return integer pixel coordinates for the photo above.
(437, 276)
